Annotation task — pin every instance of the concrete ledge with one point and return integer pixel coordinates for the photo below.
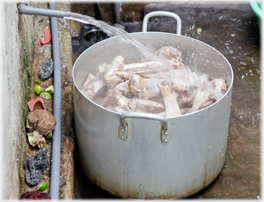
(42, 53)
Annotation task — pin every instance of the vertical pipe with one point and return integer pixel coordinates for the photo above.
(56, 142)
(117, 12)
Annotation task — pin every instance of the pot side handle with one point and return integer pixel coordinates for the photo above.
(162, 13)
(123, 125)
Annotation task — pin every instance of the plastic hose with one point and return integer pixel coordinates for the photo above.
(24, 9)
(56, 142)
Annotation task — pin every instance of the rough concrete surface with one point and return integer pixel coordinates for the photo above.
(43, 53)
(17, 55)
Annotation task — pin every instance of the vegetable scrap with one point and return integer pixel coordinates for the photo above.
(37, 89)
(36, 103)
(47, 37)
(46, 70)
(45, 95)
(35, 195)
(40, 120)
(50, 89)
(38, 82)
(34, 165)
(43, 186)
(49, 136)
(35, 139)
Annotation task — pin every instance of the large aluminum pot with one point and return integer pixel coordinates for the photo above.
(149, 156)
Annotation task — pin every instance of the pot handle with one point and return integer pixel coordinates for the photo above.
(162, 13)
(123, 129)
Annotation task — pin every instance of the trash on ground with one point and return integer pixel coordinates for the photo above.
(35, 195)
(199, 30)
(37, 89)
(46, 70)
(34, 165)
(35, 139)
(49, 136)
(47, 37)
(50, 89)
(36, 103)
(38, 82)
(40, 120)
(45, 95)
(43, 186)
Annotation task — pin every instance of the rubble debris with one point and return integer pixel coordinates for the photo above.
(34, 165)
(35, 139)
(36, 103)
(47, 37)
(35, 195)
(40, 120)
(46, 70)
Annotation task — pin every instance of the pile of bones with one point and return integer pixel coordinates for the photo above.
(168, 89)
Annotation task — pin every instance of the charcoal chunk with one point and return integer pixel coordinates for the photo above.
(46, 70)
(34, 165)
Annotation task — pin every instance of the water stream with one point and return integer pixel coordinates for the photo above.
(111, 31)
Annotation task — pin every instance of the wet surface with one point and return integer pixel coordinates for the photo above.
(233, 30)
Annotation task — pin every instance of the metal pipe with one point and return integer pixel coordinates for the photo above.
(117, 12)
(56, 142)
(29, 10)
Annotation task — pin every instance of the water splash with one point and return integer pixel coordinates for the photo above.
(111, 31)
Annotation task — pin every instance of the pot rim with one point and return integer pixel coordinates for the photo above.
(164, 33)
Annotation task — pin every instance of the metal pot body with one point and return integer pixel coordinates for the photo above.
(142, 165)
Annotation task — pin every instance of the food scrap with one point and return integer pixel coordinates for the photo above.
(37, 89)
(49, 136)
(38, 82)
(35, 139)
(45, 95)
(166, 88)
(50, 89)
(43, 186)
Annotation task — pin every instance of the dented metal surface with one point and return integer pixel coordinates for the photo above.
(143, 166)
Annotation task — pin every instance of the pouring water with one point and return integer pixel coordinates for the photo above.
(111, 31)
